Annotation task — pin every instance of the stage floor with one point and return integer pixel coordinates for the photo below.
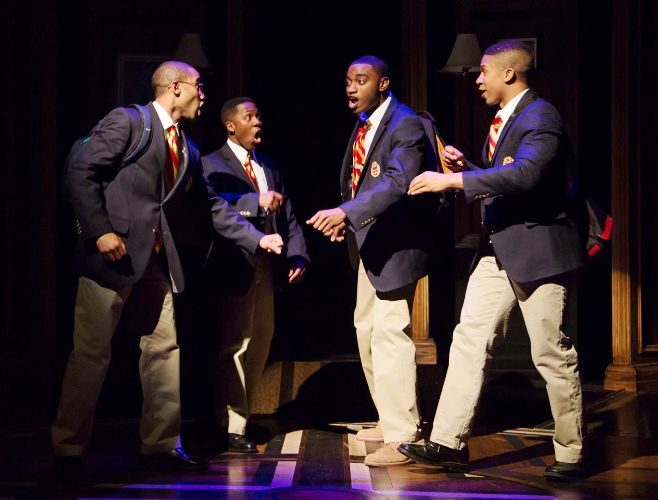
(327, 462)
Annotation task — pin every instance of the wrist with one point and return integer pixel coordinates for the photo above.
(456, 180)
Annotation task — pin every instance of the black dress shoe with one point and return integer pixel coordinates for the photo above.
(435, 454)
(67, 469)
(176, 459)
(564, 472)
(240, 444)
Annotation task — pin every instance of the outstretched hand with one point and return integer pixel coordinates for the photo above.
(434, 182)
(326, 221)
(270, 200)
(271, 243)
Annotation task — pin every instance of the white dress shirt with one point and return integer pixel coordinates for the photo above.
(241, 153)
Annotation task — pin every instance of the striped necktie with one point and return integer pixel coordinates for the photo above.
(248, 167)
(359, 155)
(171, 172)
(494, 132)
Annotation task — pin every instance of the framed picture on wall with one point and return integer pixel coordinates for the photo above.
(134, 78)
(530, 42)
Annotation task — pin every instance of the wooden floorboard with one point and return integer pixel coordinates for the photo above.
(326, 461)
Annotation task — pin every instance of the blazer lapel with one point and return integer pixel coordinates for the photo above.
(381, 128)
(183, 160)
(529, 96)
(393, 105)
(233, 162)
(347, 160)
(184, 156)
(346, 171)
(269, 177)
(158, 143)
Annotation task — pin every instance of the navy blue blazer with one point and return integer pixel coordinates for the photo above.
(227, 177)
(130, 201)
(524, 194)
(393, 233)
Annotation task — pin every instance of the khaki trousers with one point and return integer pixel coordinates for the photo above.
(148, 305)
(388, 355)
(490, 297)
(246, 330)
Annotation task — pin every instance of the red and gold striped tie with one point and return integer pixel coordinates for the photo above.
(359, 155)
(250, 171)
(494, 131)
(171, 135)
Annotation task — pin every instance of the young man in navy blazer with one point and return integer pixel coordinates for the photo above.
(528, 253)
(390, 238)
(243, 284)
(132, 220)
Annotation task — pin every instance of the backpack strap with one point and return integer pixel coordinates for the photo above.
(139, 146)
(431, 130)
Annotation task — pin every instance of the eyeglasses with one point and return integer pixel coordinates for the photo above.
(198, 85)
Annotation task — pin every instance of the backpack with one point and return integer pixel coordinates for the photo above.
(600, 227)
(136, 149)
(436, 150)
(593, 221)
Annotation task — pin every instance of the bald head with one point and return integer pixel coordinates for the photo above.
(512, 54)
(170, 71)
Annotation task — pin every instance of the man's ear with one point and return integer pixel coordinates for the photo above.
(383, 83)
(230, 128)
(509, 75)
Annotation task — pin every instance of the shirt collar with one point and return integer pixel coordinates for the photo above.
(165, 119)
(239, 151)
(377, 115)
(509, 108)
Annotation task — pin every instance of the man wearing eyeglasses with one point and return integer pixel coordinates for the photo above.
(132, 221)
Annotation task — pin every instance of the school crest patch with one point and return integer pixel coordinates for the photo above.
(375, 169)
(507, 160)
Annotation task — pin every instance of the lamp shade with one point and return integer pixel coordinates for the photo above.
(465, 56)
(190, 50)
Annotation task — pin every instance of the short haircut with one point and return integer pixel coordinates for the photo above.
(380, 67)
(167, 72)
(230, 106)
(516, 55)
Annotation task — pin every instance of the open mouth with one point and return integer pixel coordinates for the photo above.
(352, 102)
(257, 136)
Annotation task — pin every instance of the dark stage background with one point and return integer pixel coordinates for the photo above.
(71, 62)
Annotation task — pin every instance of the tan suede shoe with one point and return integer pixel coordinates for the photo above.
(386, 455)
(371, 435)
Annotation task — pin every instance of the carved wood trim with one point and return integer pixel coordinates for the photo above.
(630, 368)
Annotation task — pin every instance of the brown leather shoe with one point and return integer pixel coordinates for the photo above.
(385, 456)
(371, 434)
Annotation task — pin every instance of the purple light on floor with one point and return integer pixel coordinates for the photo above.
(406, 493)
(193, 487)
(438, 494)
